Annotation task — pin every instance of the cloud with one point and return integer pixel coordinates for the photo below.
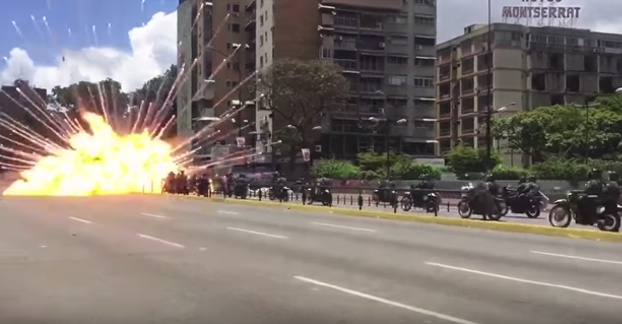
(454, 15)
(153, 50)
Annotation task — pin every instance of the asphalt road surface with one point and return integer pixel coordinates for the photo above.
(156, 259)
(443, 212)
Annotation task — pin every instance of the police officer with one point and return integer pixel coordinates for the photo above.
(612, 193)
(594, 186)
(522, 185)
(532, 187)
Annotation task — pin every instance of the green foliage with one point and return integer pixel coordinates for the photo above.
(402, 167)
(565, 130)
(298, 93)
(463, 159)
(503, 172)
(336, 169)
(560, 169)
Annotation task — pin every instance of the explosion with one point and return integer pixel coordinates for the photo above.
(99, 162)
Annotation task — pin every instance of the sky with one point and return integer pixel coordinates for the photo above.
(134, 40)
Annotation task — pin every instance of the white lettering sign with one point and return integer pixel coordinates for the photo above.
(540, 12)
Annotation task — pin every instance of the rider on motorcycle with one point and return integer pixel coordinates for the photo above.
(611, 193)
(522, 185)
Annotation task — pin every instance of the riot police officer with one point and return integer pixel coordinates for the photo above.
(594, 185)
(611, 193)
(522, 185)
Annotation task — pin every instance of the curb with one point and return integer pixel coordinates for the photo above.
(420, 218)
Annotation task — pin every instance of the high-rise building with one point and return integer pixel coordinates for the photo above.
(530, 67)
(196, 94)
(387, 51)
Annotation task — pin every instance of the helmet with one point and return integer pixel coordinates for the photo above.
(489, 178)
(522, 179)
(532, 178)
(612, 175)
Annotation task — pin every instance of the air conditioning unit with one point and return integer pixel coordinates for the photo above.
(419, 47)
(381, 44)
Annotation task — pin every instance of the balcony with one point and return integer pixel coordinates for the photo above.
(348, 45)
(421, 50)
(250, 25)
(346, 65)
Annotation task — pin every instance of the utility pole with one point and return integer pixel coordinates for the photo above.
(489, 89)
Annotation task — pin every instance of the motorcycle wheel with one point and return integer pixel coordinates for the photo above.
(533, 211)
(327, 201)
(495, 216)
(609, 223)
(560, 217)
(464, 210)
(505, 210)
(271, 196)
(406, 203)
(309, 200)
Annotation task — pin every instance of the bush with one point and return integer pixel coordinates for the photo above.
(464, 159)
(503, 172)
(409, 170)
(336, 169)
(559, 169)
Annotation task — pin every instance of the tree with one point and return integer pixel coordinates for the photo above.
(298, 93)
(336, 169)
(465, 159)
(564, 131)
(155, 92)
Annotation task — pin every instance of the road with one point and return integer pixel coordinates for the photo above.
(156, 259)
(350, 202)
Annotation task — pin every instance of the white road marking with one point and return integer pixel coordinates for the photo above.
(360, 229)
(160, 240)
(154, 215)
(526, 281)
(228, 212)
(202, 249)
(576, 257)
(81, 220)
(386, 301)
(257, 233)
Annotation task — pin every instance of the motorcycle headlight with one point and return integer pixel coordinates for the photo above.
(600, 210)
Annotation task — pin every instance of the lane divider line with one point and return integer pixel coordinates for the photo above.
(525, 281)
(360, 229)
(154, 215)
(384, 301)
(576, 257)
(237, 229)
(149, 237)
(228, 212)
(80, 220)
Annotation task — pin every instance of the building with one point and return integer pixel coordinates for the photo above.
(530, 67)
(195, 96)
(387, 51)
(391, 69)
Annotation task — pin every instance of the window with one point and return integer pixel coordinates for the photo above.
(326, 53)
(234, 28)
(425, 61)
(261, 61)
(235, 8)
(266, 15)
(397, 80)
(261, 20)
(261, 4)
(228, 46)
(397, 19)
(424, 82)
(425, 20)
(261, 40)
(426, 2)
(397, 60)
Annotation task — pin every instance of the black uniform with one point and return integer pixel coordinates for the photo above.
(611, 193)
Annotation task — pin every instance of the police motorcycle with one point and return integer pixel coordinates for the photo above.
(319, 192)
(584, 209)
(385, 193)
(521, 203)
(420, 196)
(479, 201)
(241, 187)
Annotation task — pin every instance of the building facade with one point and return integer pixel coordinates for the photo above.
(387, 51)
(530, 67)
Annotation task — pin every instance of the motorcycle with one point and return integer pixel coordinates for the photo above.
(577, 203)
(430, 201)
(385, 195)
(469, 204)
(240, 190)
(322, 195)
(282, 194)
(521, 204)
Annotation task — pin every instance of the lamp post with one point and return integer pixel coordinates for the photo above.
(489, 101)
(586, 145)
(386, 139)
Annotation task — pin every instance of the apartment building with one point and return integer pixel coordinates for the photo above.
(195, 96)
(387, 51)
(530, 67)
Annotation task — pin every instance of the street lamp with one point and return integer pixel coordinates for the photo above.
(386, 140)
(587, 105)
(489, 113)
